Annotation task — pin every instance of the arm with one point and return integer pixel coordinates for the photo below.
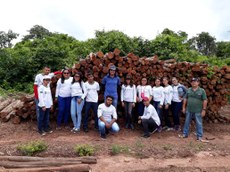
(58, 88)
(184, 105)
(84, 90)
(114, 117)
(162, 97)
(204, 105)
(36, 91)
(134, 94)
(122, 94)
(40, 97)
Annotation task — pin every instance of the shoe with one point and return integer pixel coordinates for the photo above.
(151, 132)
(58, 128)
(177, 128)
(106, 131)
(145, 135)
(132, 126)
(182, 136)
(103, 136)
(76, 130)
(159, 129)
(86, 130)
(170, 129)
(49, 131)
(165, 128)
(42, 133)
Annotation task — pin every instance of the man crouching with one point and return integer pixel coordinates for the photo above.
(150, 119)
(107, 116)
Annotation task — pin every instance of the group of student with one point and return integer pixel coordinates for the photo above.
(72, 94)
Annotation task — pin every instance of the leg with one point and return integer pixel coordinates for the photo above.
(167, 120)
(67, 110)
(115, 128)
(126, 115)
(37, 108)
(140, 109)
(95, 107)
(86, 116)
(130, 108)
(46, 119)
(79, 114)
(41, 118)
(101, 126)
(145, 123)
(115, 102)
(61, 108)
(199, 125)
(187, 123)
(73, 112)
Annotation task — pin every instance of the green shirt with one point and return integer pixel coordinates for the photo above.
(195, 99)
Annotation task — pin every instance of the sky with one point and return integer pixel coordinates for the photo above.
(145, 18)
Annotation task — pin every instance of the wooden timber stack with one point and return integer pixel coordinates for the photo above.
(215, 80)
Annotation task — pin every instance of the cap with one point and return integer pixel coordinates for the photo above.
(128, 77)
(112, 67)
(46, 77)
(145, 99)
(195, 79)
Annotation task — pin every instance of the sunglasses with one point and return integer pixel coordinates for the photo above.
(66, 73)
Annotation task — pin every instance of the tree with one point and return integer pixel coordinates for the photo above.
(223, 49)
(37, 32)
(6, 38)
(204, 43)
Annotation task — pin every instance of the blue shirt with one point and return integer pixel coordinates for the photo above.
(111, 85)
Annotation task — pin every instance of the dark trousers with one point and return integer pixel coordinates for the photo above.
(43, 121)
(176, 109)
(63, 110)
(88, 106)
(128, 112)
(140, 108)
(166, 116)
(149, 125)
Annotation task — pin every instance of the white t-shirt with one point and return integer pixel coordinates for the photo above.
(39, 78)
(45, 97)
(63, 89)
(175, 96)
(92, 91)
(78, 90)
(158, 94)
(146, 90)
(106, 112)
(128, 93)
(168, 93)
(150, 112)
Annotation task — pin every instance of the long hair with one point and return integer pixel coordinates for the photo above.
(131, 82)
(80, 79)
(62, 75)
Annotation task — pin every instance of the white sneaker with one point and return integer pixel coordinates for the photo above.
(76, 130)
(73, 129)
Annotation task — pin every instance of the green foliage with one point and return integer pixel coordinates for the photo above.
(6, 38)
(32, 147)
(116, 149)
(168, 147)
(84, 150)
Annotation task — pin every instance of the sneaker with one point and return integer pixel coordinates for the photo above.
(42, 133)
(145, 135)
(132, 126)
(182, 136)
(73, 129)
(170, 129)
(103, 136)
(151, 132)
(49, 131)
(58, 128)
(76, 130)
(86, 130)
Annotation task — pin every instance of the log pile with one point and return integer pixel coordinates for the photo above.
(216, 81)
(24, 163)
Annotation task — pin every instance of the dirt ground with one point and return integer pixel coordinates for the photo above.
(163, 151)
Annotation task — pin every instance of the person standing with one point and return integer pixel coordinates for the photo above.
(92, 89)
(150, 119)
(128, 100)
(107, 117)
(158, 99)
(63, 96)
(168, 93)
(45, 105)
(78, 93)
(143, 90)
(111, 82)
(194, 105)
(179, 92)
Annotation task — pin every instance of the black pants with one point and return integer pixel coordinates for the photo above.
(149, 125)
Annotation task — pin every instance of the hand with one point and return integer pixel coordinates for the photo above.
(133, 105)
(138, 100)
(44, 108)
(203, 113)
(79, 101)
(56, 100)
(183, 110)
(51, 108)
(139, 121)
(166, 106)
(122, 104)
(107, 125)
(160, 106)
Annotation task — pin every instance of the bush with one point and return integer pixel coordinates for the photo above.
(32, 147)
(84, 150)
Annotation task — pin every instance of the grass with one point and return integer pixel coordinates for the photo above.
(84, 150)
(167, 147)
(117, 149)
(33, 147)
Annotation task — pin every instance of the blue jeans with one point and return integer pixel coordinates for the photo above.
(76, 109)
(115, 128)
(140, 108)
(158, 109)
(37, 108)
(43, 119)
(63, 110)
(199, 126)
(128, 112)
(88, 106)
(176, 108)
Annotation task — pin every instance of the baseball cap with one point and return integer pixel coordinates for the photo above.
(112, 67)
(145, 99)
